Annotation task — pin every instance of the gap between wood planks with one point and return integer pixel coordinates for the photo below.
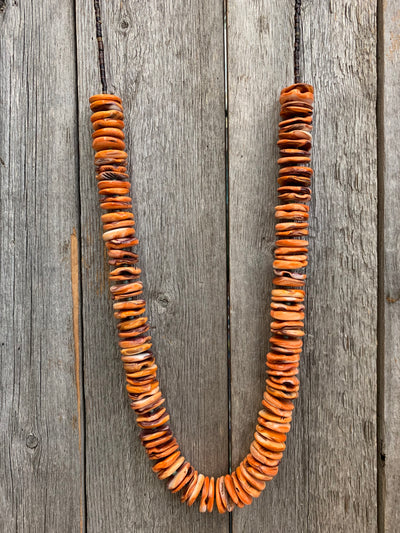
(228, 309)
(75, 284)
(76, 278)
(380, 362)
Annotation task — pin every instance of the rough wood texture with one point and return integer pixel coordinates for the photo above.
(258, 70)
(68, 447)
(166, 61)
(390, 448)
(40, 397)
(342, 298)
(327, 481)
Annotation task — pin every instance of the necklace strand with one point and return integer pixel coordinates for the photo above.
(260, 465)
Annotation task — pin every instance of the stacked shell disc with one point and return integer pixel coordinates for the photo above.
(287, 309)
(291, 256)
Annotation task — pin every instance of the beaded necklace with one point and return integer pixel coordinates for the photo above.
(239, 487)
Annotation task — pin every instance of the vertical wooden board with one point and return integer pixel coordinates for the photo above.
(327, 480)
(340, 354)
(166, 61)
(391, 167)
(40, 409)
(260, 64)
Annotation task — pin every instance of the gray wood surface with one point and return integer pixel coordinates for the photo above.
(40, 398)
(340, 371)
(166, 61)
(258, 70)
(70, 455)
(390, 445)
(327, 481)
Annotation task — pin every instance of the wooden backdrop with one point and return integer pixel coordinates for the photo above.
(70, 455)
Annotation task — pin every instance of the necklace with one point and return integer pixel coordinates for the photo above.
(237, 488)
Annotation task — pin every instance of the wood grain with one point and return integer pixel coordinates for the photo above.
(327, 481)
(40, 411)
(64, 440)
(389, 448)
(342, 296)
(257, 71)
(166, 61)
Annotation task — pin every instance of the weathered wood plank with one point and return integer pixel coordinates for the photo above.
(341, 347)
(40, 408)
(166, 61)
(327, 480)
(390, 449)
(257, 70)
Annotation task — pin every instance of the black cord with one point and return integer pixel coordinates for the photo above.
(99, 35)
(297, 24)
